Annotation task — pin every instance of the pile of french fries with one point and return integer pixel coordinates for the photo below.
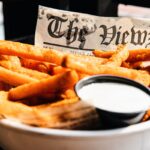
(37, 84)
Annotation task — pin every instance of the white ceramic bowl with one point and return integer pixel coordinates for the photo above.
(16, 136)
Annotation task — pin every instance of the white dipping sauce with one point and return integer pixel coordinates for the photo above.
(115, 97)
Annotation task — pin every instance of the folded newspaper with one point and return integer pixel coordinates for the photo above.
(82, 33)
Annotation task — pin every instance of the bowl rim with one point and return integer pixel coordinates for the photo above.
(14, 125)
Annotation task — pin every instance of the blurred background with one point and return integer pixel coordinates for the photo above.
(18, 17)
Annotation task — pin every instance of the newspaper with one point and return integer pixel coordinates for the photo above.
(82, 33)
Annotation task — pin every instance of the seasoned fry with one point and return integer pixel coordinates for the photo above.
(102, 53)
(90, 62)
(97, 61)
(18, 111)
(10, 62)
(14, 78)
(142, 65)
(146, 116)
(125, 64)
(58, 70)
(90, 68)
(139, 55)
(37, 65)
(13, 59)
(139, 65)
(68, 94)
(82, 75)
(50, 85)
(32, 73)
(65, 114)
(119, 56)
(134, 55)
(30, 52)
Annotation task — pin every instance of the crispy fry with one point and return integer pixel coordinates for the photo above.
(134, 55)
(17, 110)
(30, 52)
(82, 75)
(142, 65)
(58, 70)
(32, 73)
(125, 64)
(103, 54)
(37, 65)
(14, 78)
(13, 59)
(10, 62)
(120, 55)
(91, 69)
(68, 113)
(146, 116)
(50, 85)
(136, 65)
(139, 55)
(95, 60)
(89, 61)
(68, 94)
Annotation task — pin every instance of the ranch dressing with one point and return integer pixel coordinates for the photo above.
(115, 97)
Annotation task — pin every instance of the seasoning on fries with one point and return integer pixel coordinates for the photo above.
(134, 55)
(119, 56)
(55, 84)
(37, 84)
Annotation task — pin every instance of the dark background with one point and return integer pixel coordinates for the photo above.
(20, 15)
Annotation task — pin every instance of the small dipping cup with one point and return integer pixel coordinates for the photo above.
(114, 118)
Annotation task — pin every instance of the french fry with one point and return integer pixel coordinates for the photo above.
(120, 55)
(89, 61)
(50, 85)
(92, 69)
(14, 78)
(139, 65)
(102, 53)
(37, 53)
(37, 65)
(125, 64)
(67, 113)
(58, 70)
(32, 73)
(142, 65)
(82, 75)
(13, 59)
(134, 55)
(30, 52)
(139, 55)
(17, 111)
(10, 62)
(146, 116)
(97, 61)
(68, 94)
